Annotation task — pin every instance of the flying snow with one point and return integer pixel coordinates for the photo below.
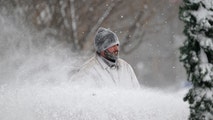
(34, 85)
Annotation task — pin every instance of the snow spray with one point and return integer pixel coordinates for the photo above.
(34, 85)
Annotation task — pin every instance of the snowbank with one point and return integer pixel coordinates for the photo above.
(66, 102)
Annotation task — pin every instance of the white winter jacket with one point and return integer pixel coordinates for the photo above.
(95, 72)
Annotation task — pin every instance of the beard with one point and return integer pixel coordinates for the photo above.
(111, 56)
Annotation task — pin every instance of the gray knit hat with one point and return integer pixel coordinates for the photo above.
(104, 39)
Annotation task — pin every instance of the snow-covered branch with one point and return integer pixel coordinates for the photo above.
(74, 25)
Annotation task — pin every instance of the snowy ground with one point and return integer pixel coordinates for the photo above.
(63, 102)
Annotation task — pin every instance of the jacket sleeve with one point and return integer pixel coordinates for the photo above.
(134, 79)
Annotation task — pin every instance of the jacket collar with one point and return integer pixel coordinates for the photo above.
(103, 62)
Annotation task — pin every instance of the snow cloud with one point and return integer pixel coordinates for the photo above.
(34, 85)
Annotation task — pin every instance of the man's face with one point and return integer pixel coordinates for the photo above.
(111, 53)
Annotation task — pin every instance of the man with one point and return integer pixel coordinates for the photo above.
(106, 69)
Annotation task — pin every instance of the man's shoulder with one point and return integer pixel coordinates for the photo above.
(122, 62)
(89, 63)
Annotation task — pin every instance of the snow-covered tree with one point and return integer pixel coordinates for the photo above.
(197, 56)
